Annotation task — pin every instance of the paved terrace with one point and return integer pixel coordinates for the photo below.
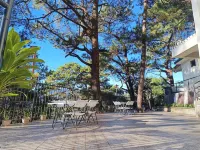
(148, 131)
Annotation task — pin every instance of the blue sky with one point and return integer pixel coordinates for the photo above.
(53, 57)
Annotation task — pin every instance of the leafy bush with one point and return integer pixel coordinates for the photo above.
(174, 105)
(6, 115)
(44, 112)
(189, 105)
(182, 105)
(177, 105)
(27, 113)
(16, 64)
(168, 105)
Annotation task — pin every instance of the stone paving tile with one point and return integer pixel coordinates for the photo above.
(148, 131)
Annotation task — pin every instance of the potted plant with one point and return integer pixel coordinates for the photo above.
(43, 115)
(26, 117)
(6, 119)
(167, 108)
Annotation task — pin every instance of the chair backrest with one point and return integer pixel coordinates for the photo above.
(130, 103)
(92, 103)
(116, 103)
(80, 104)
(71, 103)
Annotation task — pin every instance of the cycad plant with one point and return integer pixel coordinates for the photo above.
(17, 62)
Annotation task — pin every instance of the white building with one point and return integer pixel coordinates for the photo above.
(189, 53)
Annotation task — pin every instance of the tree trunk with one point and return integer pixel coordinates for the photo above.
(143, 57)
(170, 77)
(95, 53)
(149, 99)
(95, 74)
(168, 65)
(129, 83)
(131, 90)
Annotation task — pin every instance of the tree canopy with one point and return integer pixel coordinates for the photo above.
(120, 39)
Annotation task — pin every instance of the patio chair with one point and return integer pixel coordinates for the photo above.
(79, 112)
(118, 107)
(59, 109)
(71, 103)
(128, 107)
(68, 114)
(91, 113)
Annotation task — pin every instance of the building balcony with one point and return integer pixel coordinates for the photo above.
(186, 48)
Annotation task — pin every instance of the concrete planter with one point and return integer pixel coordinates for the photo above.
(26, 120)
(6, 122)
(183, 111)
(167, 109)
(43, 117)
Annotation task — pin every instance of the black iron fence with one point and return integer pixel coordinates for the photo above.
(32, 102)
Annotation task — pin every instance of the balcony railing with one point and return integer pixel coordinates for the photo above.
(179, 42)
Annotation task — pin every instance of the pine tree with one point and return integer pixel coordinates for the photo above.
(143, 56)
(172, 20)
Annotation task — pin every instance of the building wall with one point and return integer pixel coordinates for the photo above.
(191, 75)
(191, 72)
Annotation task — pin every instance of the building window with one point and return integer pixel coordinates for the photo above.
(193, 63)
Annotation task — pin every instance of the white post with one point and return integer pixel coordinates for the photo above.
(196, 14)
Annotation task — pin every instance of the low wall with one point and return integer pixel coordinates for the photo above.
(183, 111)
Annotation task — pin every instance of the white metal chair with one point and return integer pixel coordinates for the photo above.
(91, 113)
(68, 114)
(117, 106)
(59, 108)
(128, 107)
(76, 113)
(71, 103)
(79, 112)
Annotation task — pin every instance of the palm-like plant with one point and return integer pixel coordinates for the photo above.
(15, 70)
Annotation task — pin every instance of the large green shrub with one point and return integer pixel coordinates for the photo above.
(16, 64)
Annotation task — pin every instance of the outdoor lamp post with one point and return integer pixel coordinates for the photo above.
(5, 13)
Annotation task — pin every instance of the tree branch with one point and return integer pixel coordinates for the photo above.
(64, 16)
(68, 3)
(79, 58)
(85, 49)
(56, 34)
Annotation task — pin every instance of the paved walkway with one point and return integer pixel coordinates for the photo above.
(148, 131)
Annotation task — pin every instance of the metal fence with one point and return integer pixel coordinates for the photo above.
(32, 101)
(35, 101)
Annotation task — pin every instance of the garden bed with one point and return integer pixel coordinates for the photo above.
(183, 110)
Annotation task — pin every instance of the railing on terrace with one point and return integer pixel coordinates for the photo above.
(197, 90)
(183, 37)
(34, 101)
(179, 42)
(191, 83)
(178, 86)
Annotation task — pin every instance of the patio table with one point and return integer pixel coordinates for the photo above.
(59, 109)
(58, 103)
